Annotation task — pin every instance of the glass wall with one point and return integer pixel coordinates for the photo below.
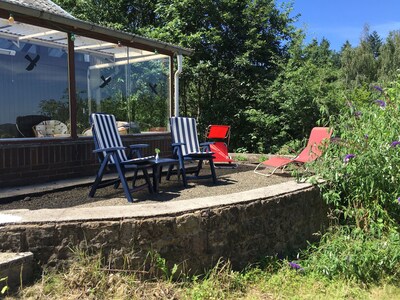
(132, 84)
(34, 89)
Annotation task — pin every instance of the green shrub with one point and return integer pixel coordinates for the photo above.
(361, 172)
(362, 166)
(352, 254)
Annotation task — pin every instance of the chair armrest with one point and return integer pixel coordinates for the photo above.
(176, 149)
(177, 144)
(138, 146)
(206, 146)
(136, 150)
(111, 149)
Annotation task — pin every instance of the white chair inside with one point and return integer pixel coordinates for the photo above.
(50, 128)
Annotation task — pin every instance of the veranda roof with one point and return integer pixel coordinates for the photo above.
(44, 5)
(44, 22)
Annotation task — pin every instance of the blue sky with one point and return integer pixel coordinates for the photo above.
(341, 20)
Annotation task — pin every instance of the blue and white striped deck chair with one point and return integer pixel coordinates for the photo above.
(111, 153)
(186, 146)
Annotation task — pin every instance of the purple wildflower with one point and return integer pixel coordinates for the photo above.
(395, 144)
(378, 88)
(348, 157)
(381, 103)
(358, 114)
(398, 200)
(366, 136)
(295, 266)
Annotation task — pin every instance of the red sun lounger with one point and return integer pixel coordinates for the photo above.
(316, 144)
(220, 134)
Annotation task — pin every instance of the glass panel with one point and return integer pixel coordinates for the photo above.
(129, 83)
(34, 86)
(149, 94)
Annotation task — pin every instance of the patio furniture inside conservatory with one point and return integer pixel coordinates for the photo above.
(55, 70)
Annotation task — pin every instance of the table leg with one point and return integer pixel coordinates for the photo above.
(156, 176)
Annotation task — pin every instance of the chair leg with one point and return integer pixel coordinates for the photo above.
(116, 185)
(178, 173)
(125, 186)
(147, 178)
(212, 167)
(160, 174)
(99, 177)
(170, 172)
(134, 178)
(183, 171)
(268, 174)
(199, 167)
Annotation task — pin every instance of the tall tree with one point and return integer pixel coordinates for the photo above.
(390, 58)
(304, 92)
(129, 15)
(237, 46)
(375, 43)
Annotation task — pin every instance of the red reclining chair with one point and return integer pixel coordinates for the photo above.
(316, 144)
(220, 135)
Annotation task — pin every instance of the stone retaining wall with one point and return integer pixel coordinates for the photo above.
(242, 232)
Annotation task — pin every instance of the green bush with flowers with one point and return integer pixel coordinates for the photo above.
(361, 172)
(362, 165)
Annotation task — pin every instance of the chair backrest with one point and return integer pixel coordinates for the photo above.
(183, 130)
(218, 131)
(25, 123)
(50, 128)
(105, 134)
(315, 144)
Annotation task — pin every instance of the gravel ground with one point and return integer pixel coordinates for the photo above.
(229, 181)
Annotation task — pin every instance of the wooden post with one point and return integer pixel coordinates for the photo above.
(72, 86)
(171, 86)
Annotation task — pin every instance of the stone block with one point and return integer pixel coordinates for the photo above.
(17, 268)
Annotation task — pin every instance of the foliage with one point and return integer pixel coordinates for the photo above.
(118, 14)
(389, 58)
(88, 278)
(240, 157)
(352, 254)
(250, 68)
(362, 168)
(4, 289)
(221, 282)
(160, 264)
(237, 46)
(361, 179)
(59, 110)
(360, 65)
(305, 90)
(289, 283)
(219, 79)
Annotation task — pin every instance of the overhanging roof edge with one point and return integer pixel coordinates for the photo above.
(89, 27)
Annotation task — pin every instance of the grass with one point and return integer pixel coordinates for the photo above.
(86, 278)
